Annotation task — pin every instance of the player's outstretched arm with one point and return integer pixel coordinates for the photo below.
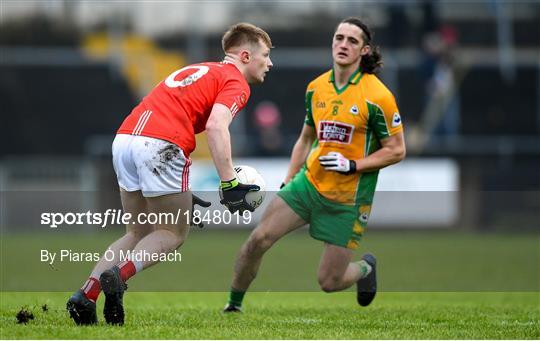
(219, 141)
(300, 150)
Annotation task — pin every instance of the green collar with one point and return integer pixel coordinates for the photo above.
(354, 79)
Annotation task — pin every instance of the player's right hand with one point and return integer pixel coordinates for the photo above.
(234, 195)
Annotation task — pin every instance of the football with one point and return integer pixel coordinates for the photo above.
(250, 176)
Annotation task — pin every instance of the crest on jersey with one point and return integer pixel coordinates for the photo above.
(239, 101)
(354, 110)
(396, 120)
(364, 214)
(243, 98)
(364, 217)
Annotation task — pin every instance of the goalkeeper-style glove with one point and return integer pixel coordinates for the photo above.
(234, 195)
(334, 161)
(195, 200)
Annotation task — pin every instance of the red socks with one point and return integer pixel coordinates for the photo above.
(127, 270)
(91, 289)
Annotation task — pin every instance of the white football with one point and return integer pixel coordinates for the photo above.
(250, 176)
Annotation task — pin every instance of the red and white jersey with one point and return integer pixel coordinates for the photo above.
(178, 107)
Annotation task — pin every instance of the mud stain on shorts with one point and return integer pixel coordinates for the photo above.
(163, 159)
(170, 152)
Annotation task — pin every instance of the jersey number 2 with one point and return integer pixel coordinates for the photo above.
(173, 83)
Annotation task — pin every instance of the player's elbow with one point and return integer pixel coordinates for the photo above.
(212, 125)
(215, 128)
(399, 153)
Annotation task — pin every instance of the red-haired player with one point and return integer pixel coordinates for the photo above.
(151, 159)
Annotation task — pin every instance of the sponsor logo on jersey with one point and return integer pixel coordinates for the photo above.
(332, 131)
(396, 120)
(354, 110)
(320, 105)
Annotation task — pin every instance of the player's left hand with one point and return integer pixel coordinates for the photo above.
(197, 201)
(234, 195)
(334, 161)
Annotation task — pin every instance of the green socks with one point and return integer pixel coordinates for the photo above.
(236, 297)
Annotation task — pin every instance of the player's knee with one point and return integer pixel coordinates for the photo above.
(178, 242)
(329, 284)
(259, 241)
(139, 232)
(175, 236)
(178, 239)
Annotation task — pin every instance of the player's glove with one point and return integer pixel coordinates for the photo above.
(195, 200)
(334, 161)
(234, 195)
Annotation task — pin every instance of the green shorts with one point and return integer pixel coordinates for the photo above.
(329, 221)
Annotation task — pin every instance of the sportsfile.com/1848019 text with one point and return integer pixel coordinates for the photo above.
(118, 217)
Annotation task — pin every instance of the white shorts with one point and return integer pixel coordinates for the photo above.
(153, 166)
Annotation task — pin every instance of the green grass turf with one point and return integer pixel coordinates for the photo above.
(435, 285)
(288, 315)
(409, 261)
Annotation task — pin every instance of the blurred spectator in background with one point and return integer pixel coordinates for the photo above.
(444, 85)
(440, 113)
(267, 119)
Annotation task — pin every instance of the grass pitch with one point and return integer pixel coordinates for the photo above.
(288, 315)
(434, 285)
